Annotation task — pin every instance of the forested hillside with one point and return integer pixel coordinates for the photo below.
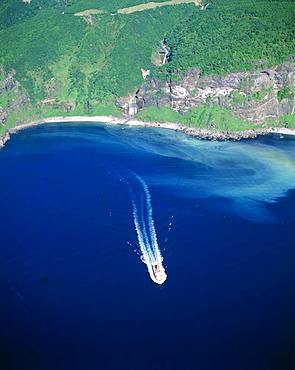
(66, 60)
(234, 36)
(55, 50)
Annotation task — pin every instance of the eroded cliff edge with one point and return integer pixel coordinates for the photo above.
(258, 97)
(261, 99)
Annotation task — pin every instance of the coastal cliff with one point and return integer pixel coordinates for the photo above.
(226, 65)
(262, 100)
(258, 97)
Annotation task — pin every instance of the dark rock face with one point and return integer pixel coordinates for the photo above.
(253, 96)
(8, 82)
(15, 97)
(3, 116)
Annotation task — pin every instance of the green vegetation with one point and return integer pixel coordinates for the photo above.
(2, 130)
(285, 93)
(238, 98)
(60, 56)
(4, 100)
(219, 118)
(39, 113)
(288, 120)
(163, 114)
(15, 12)
(86, 63)
(202, 117)
(233, 35)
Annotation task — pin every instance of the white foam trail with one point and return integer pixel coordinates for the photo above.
(153, 235)
(142, 239)
(146, 233)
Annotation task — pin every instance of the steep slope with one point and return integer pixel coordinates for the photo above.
(68, 64)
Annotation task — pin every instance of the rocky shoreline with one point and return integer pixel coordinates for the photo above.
(4, 139)
(207, 134)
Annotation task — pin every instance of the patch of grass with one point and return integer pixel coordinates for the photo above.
(164, 114)
(289, 120)
(238, 98)
(2, 130)
(202, 117)
(4, 101)
(107, 109)
(216, 118)
(109, 5)
(153, 5)
(286, 93)
(258, 96)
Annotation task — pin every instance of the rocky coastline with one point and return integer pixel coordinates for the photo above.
(207, 134)
(259, 97)
(254, 97)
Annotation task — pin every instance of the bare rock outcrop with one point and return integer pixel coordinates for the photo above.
(12, 96)
(3, 116)
(255, 96)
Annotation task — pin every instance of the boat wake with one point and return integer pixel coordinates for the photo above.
(146, 232)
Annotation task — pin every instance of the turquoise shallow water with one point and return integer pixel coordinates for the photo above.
(74, 291)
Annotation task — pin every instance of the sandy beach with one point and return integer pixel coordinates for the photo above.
(195, 132)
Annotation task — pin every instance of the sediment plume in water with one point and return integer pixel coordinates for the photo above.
(247, 175)
(146, 232)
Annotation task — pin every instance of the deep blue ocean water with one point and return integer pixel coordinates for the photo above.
(74, 292)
